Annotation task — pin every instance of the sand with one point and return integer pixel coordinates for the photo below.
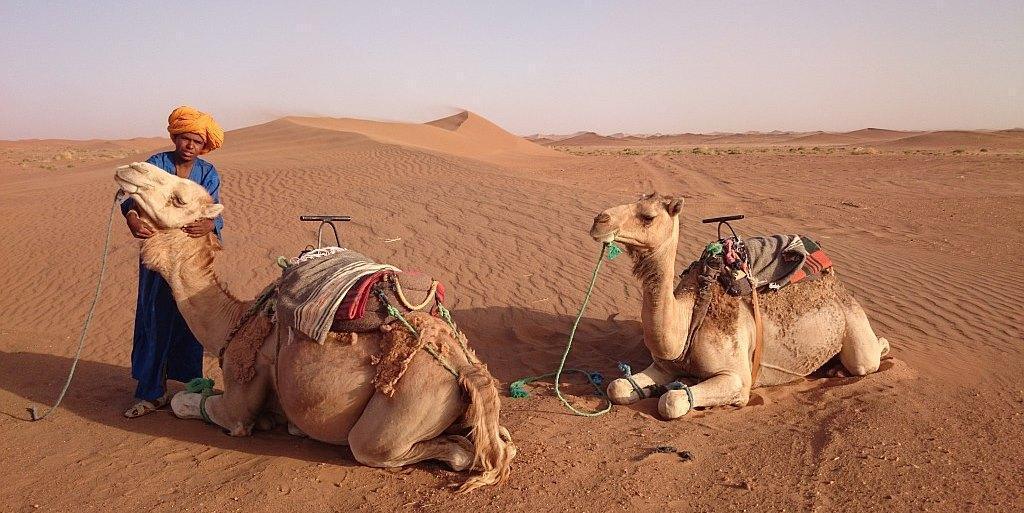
(927, 238)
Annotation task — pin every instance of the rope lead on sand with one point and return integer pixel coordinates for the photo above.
(32, 410)
(517, 389)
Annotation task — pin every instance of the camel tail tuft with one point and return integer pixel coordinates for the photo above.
(493, 449)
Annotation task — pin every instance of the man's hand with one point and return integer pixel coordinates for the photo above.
(198, 228)
(138, 227)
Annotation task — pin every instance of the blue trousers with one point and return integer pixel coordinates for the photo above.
(164, 347)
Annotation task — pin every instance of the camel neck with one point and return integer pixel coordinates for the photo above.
(186, 264)
(665, 320)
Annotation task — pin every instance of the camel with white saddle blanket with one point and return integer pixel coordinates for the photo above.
(433, 399)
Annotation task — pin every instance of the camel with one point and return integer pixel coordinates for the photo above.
(805, 324)
(325, 391)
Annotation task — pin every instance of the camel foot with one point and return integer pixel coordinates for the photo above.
(185, 405)
(295, 431)
(837, 372)
(265, 422)
(621, 392)
(506, 437)
(674, 404)
(504, 434)
(460, 460)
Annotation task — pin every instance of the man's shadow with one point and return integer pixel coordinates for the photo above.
(100, 392)
(513, 342)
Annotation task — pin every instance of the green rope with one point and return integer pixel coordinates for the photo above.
(447, 316)
(202, 386)
(33, 412)
(516, 388)
(392, 311)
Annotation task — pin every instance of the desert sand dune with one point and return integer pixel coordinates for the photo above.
(875, 138)
(928, 243)
(960, 139)
(67, 153)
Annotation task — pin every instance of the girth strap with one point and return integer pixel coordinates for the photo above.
(755, 365)
(702, 304)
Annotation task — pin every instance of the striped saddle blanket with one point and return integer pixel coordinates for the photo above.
(335, 289)
(770, 262)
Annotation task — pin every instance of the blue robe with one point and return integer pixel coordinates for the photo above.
(164, 347)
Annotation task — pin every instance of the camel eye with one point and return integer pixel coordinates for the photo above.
(177, 201)
(647, 218)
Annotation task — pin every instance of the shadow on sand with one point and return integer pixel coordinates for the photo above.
(513, 341)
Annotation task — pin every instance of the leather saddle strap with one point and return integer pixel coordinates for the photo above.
(755, 366)
(701, 304)
(405, 302)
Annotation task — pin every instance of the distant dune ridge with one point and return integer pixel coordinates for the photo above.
(1009, 139)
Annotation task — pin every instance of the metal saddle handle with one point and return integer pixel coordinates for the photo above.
(724, 220)
(325, 220)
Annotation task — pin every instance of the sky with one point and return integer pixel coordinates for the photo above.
(106, 69)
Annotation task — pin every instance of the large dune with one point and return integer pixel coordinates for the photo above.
(464, 135)
(929, 244)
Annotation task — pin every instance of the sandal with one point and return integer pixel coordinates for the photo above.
(146, 407)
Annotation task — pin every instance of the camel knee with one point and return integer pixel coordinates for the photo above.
(621, 391)
(674, 404)
(861, 369)
(376, 452)
(864, 359)
(185, 405)
(455, 450)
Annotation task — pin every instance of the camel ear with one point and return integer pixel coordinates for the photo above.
(212, 211)
(673, 206)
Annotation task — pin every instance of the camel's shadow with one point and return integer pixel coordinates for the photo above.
(517, 342)
(514, 342)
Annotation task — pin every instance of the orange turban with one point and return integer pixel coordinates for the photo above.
(186, 119)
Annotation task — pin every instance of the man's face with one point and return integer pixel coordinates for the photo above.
(188, 145)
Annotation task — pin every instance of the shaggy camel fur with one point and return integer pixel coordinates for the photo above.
(324, 391)
(805, 324)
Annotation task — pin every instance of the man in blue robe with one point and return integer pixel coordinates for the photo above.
(164, 346)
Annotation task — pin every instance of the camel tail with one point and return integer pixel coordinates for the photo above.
(493, 450)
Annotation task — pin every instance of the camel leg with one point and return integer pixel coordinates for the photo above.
(383, 438)
(408, 427)
(236, 410)
(724, 388)
(862, 350)
(621, 391)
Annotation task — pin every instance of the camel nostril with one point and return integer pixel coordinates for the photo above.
(602, 218)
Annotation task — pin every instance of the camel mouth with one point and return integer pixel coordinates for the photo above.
(606, 238)
(126, 185)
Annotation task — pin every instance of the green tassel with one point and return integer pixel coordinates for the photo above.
(613, 251)
(200, 386)
(516, 390)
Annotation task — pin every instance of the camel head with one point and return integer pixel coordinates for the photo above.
(163, 199)
(642, 226)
